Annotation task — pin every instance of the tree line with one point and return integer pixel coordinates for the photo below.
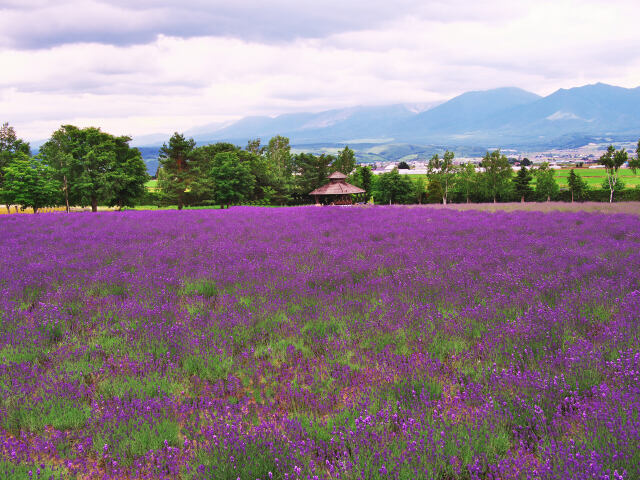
(225, 174)
(76, 166)
(494, 180)
(88, 167)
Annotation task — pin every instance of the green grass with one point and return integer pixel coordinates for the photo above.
(254, 461)
(595, 176)
(57, 412)
(322, 429)
(12, 471)
(409, 393)
(276, 351)
(151, 185)
(105, 290)
(151, 386)
(202, 287)
(443, 346)
(81, 366)
(135, 437)
(10, 354)
(210, 368)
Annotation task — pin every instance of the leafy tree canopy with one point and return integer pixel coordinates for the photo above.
(466, 179)
(577, 186)
(31, 183)
(612, 160)
(11, 147)
(495, 179)
(363, 177)
(312, 170)
(345, 162)
(634, 163)
(522, 184)
(177, 168)
(232, 179)
(392, 187)
(546, 185)
(93, 166)
(443, 171)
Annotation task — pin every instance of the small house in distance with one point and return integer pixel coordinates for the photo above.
(337, 191)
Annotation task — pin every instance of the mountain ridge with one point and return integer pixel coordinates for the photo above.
(507, 117)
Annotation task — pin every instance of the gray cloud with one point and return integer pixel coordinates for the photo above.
(152, 66)
(34, 24)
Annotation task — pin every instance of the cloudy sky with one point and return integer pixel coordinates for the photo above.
(164, 66)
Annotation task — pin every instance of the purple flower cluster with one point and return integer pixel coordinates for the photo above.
(320, 343)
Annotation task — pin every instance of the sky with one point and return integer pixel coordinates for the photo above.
(159, 66)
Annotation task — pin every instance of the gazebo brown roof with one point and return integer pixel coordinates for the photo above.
(339, 190)
(342, 188)
(337, 186)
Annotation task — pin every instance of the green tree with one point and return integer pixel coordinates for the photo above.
(91, 155)
(419, 189)
(526, 162)
(176, 165)
(55, 152)
(496, 178)
(232, 179)
(546, 185)
(30, 183)
(127, 175)
(279, 155)
(345, 162)
(254, 146)
(434, 191)
(312, 171)
(392, 187)
(443, 171)
(577, 186)
(201, 186)
(466, 179)
(263, 189)
(10, 143)
(10, 149)
(522, 184)
(619, 187)
(363, 177)
(93, 166)
(403, 166)
(634, 163)
(612, 160)
(280, 168)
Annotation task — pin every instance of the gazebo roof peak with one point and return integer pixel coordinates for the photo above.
(337, 176)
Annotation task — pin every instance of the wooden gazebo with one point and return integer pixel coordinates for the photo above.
(337, 191)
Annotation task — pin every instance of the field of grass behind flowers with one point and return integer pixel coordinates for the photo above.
(320, 343)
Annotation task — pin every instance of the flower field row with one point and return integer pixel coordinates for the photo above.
(320, 343)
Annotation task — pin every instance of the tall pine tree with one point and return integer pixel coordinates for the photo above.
(522, 184)
(577, 186)
(176, 169)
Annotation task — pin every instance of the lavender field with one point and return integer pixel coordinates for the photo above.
(320, 343)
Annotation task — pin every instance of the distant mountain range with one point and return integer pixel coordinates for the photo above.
(503, 117)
